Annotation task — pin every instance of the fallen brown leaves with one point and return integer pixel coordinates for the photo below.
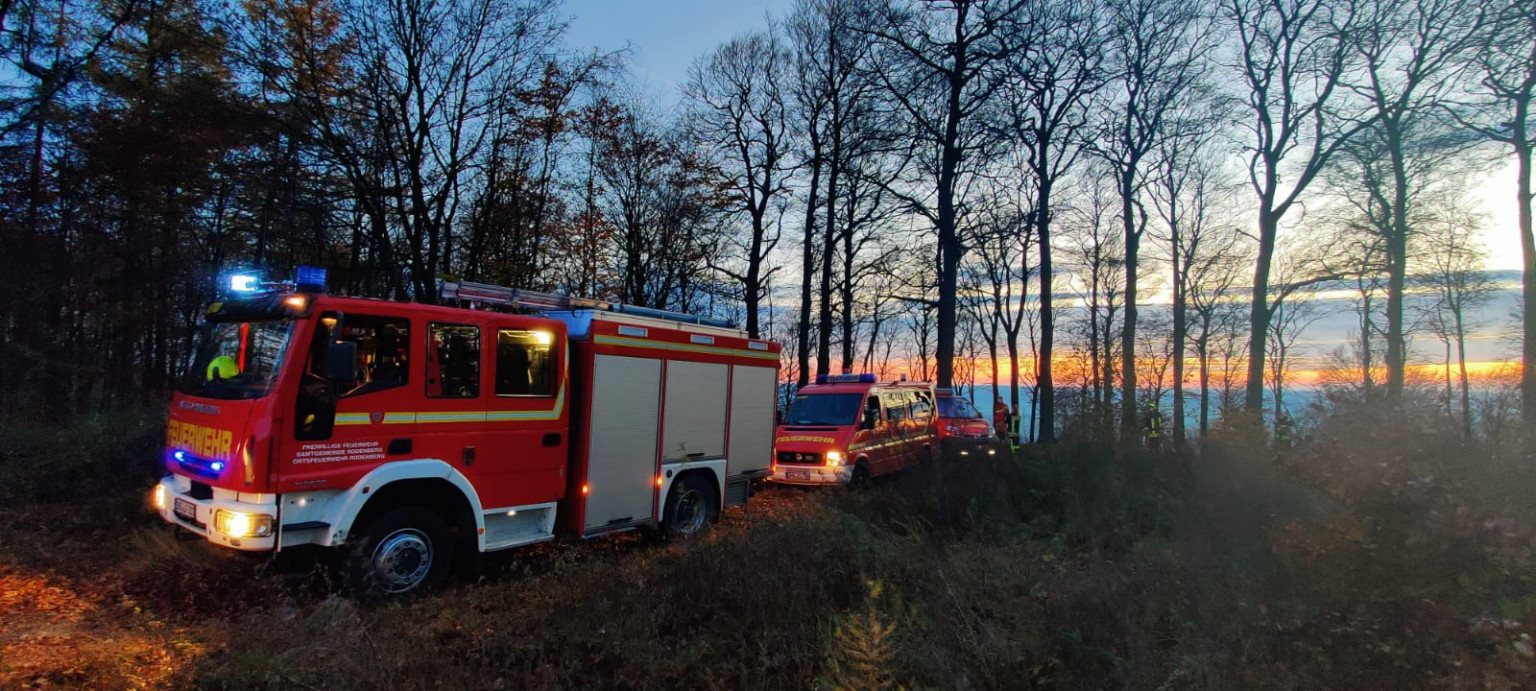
(57, 633)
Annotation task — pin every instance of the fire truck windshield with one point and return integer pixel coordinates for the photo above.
(237, 359)
(950, 406)
(825, 409)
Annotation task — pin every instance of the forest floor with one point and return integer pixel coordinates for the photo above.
(1360, 560)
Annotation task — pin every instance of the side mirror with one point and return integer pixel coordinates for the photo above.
(341, 361)
(871, 417)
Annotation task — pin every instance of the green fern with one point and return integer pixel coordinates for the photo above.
(863, 646)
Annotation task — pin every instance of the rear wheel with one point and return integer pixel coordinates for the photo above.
(400, 553)
(691, 506)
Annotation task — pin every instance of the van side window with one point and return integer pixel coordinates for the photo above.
(922, 408)
(523, 363)
(453, 360)
(871, 416)
(895, 408)
(383, 352)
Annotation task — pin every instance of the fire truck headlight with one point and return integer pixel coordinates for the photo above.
(951, 429)
(834, 458)
(239, 524)
(159, 497)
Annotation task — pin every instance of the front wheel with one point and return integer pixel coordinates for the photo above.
(401, 552)
(691, 506)
(860, 478)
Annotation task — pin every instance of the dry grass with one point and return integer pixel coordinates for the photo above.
(1357, 561)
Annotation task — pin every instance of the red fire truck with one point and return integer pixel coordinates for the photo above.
(410, 436)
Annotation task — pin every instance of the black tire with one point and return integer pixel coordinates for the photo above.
(860, 478)
(692, 504)
(400, 553)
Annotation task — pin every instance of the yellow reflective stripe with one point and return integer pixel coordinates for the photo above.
(683, 347)
(424, 417)
(476, 416)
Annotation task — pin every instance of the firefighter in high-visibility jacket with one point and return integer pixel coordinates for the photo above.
(1153, 425)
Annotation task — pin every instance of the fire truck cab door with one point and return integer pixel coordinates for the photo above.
(450, 419)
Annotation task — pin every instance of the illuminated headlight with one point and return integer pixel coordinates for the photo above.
(239, 524)
(834, 458)
(159, 497)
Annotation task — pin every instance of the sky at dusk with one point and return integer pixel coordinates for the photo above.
(666, 35)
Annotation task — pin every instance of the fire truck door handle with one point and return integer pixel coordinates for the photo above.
(399, 447)
(552, 439)
(469, 455)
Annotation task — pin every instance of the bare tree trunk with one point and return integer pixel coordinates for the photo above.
(828, 252)
(1129, 422)
(1466, 392)
(1180, 315)
(1397, 263)
(1258, 322)
(1043, 378)
(1205, 385)
(1528, 281)
(808, 266)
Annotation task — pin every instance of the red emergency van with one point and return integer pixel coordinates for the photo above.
(846, 429)
(963, 432)
(410, 435)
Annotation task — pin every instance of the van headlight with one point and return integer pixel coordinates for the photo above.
(239, 524)
(159, 497)
(834, 458)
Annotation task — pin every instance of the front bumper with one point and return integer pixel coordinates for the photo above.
(812, 474)
(197, 515)
(970, 447)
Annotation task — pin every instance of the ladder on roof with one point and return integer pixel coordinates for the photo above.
(485, 293)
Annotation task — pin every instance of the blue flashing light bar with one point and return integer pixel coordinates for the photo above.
(310, 278)
(865, 378)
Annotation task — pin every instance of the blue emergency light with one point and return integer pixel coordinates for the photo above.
(310, 278)
(865, 378)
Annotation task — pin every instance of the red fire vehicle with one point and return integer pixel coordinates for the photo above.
(963, 432)
(849, 428)
(409, 434)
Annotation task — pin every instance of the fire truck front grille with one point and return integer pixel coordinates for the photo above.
(790, 457)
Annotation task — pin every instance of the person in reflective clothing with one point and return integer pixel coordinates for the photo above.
(1153, 425)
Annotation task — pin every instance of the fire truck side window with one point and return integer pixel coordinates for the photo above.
(453, 360)
(523, 363)
(383, 353)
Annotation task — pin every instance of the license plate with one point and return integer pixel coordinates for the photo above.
(186, 509)
(797, 474)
